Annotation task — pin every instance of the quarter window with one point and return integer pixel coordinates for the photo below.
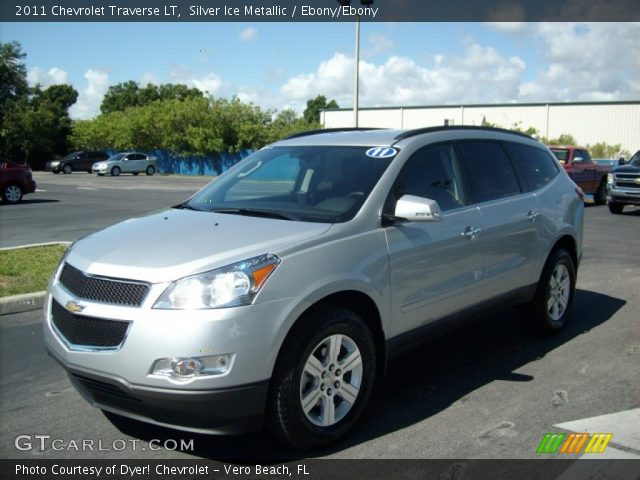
(488, 171)
(432, 172)
(535, 165)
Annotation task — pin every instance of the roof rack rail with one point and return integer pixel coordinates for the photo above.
(419, 131)
(328, 130)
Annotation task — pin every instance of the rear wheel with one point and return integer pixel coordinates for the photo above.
(115, 171)
(322, 379)
(12, 193)
(616, 207)
(600, 197)
(150, 170)
(550, 309)
(67, 169)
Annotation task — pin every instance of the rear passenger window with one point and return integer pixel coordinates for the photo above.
(487, 170)
(535, 166)
(432, 172)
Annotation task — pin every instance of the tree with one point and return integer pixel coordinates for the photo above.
(129, 94)
(314, 106)
(13, 74)
(604, 150)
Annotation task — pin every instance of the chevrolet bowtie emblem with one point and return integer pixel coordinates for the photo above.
(74, 307)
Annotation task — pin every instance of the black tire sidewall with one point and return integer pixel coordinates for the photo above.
(289, 421)
(67, 169)
(542, 297)
(115, 171)
(150, 170)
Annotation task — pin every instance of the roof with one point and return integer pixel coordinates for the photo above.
(367, 137)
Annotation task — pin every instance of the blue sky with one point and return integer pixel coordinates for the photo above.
(281, 65)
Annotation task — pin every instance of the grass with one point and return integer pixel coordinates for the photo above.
(27, 270)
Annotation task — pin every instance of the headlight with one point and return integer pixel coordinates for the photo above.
(230, 286)
(610, 179)
(55, 164)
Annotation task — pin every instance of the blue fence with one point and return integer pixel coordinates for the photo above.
(214, 164)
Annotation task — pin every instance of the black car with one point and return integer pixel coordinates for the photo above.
(76, 161)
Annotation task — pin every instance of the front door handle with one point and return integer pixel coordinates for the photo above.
(471, 233)
(532, 215)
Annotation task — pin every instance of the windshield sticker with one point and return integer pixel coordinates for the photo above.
(381, 152)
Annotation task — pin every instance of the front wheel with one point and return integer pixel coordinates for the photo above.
(115, 171)
(616, 208)
(323, 379)
(550, 309)
(12, 193)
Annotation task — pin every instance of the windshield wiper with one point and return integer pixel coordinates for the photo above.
(254, 212)
(186, 206)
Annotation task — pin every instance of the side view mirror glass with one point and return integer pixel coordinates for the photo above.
(418, 209)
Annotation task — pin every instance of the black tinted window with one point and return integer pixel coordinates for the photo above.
(488, 171)
(432, 172)
(535, 165)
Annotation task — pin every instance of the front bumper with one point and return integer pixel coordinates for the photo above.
(222, 411)
(627, 196)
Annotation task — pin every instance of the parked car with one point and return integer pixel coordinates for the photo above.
(15, 181)
(280, 290)
(589, 176)
(76, 162)
(624, 185)
(127, 162)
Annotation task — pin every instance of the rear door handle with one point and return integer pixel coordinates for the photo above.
(532, 215)
(471, 233)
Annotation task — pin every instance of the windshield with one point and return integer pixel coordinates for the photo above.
(116, 157)
(71, 155)
(561, 154)
(635, 160)
(312, 184)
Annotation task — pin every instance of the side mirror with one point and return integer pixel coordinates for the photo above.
(621, 161)
(417, 209)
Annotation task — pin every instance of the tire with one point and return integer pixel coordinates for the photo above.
(304, 372)
(600, 197)
(55, 171)
(616, 207)
(550, 309)
(136, 173)
(115, 171)
(150, 170)
(67, 169)
(12, 193)
(101, 174)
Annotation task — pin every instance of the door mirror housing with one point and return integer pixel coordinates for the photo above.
(417, 209)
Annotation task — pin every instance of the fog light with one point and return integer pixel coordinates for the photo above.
(186, 368)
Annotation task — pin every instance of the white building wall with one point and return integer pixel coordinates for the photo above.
(589, 123)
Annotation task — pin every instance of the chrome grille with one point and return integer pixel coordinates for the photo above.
(101, 289)
(82, 331)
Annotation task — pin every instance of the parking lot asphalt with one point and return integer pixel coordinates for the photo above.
(67, 207)
(489, 390)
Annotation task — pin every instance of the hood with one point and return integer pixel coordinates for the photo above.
(172, 244)
(627, 169)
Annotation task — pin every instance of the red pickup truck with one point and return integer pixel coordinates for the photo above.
(589, 176)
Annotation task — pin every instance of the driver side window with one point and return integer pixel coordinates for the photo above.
(432, 172)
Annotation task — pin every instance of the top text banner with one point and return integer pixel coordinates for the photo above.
(319, 10)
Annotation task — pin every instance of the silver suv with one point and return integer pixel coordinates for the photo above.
(280, 290)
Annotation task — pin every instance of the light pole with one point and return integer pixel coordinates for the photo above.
(356, 69)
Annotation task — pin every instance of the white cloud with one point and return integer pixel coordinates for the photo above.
(90, 98)
(594, 61)
(53, 76)
(249, 34)
(149, 77)
(377, 44)
(482, 74)
(209, 83)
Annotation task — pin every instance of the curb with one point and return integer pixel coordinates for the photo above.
(22, 303)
